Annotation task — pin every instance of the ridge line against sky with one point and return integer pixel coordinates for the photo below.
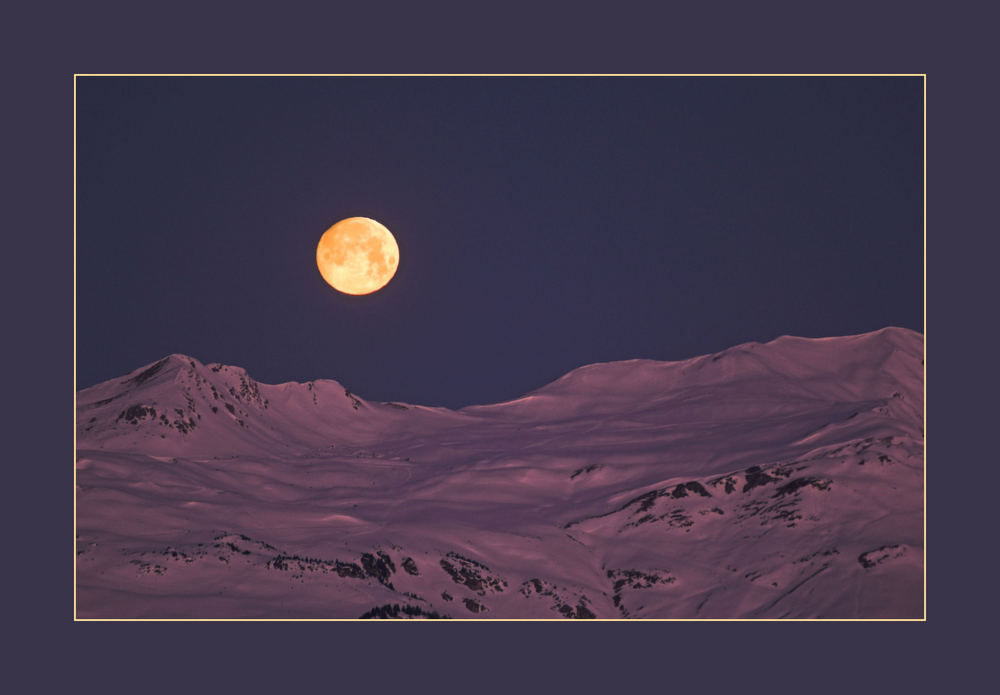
(249, 372)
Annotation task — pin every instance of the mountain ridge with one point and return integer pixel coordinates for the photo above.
(892, 331)
(782, 479)
(236, 389)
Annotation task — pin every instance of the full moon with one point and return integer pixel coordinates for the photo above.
(357, 256)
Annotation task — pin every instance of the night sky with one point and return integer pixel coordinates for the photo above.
(543, 223)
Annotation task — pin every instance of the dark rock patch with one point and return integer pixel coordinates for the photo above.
(728, 481)
(562, 599)
(355, 403)
(148, 373)
(645, 501)
(394, 610)
(634, 579)
(755, 477)
(819, 553)
(473, 605)
(379, 566)
(799, 483)
(474, 575)
(136, 413)
(873, 558)
(683, 489)
(581, 471)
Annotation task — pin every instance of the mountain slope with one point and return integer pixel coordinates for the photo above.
(774, 480)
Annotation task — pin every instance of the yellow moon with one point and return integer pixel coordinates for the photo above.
(357, 256)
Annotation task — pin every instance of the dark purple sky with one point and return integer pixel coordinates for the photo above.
(543, 223)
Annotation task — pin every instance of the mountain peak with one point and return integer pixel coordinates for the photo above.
(168, 365)
(788, 367)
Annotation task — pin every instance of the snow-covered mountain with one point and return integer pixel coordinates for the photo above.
(778, 480)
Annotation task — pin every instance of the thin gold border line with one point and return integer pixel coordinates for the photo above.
(74, 355)
(76, 618)
(496, 74)
(924, 361)
(504, 620)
